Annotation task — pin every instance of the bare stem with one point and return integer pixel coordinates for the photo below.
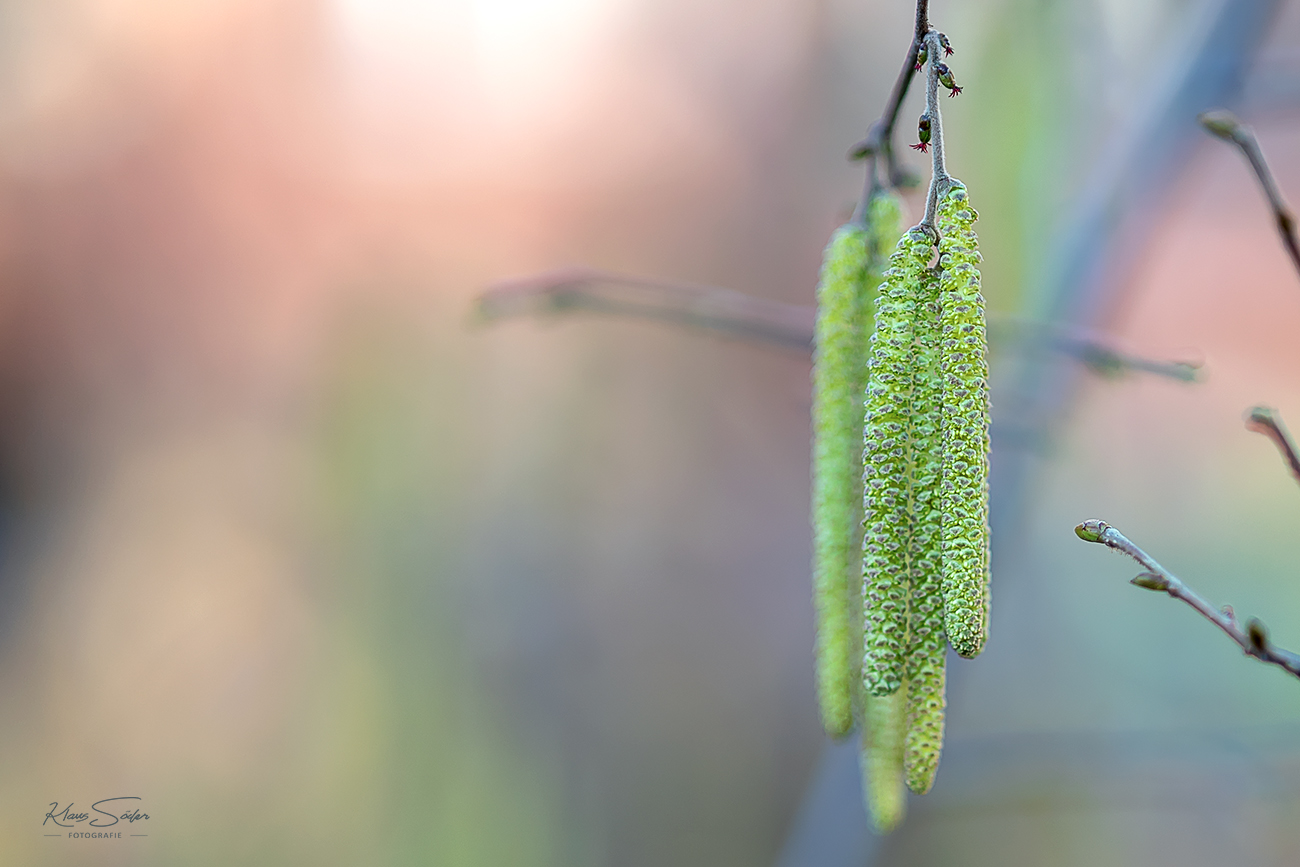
(1263, 420)
(939, 179)
(1253, 639)
(1226, 126)
(880, 135)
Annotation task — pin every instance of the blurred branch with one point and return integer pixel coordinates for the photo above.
(880, 135)
(770, 322)
(1253, 639)
(1092, 352)
(709, 307)
(1226, 126)
(1263, 420)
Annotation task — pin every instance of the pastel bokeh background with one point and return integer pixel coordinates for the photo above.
(329, 572)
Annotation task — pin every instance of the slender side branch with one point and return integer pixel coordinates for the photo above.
(709, 307)
(880, 135)
(1090, 350)
(1253, 640)
(1263, 420)
(1225, 125)
(758, 320)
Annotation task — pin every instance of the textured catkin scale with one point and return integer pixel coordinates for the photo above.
(838, 363)
(881, 760)
(965, 429)
(928, 644)
(887, 513)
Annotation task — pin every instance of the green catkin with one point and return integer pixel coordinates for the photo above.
(887, 516)
(838, 356)
(965, 429)
(881, 760)
(850, 277)
(928, 643)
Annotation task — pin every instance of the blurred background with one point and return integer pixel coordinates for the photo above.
(327, 571)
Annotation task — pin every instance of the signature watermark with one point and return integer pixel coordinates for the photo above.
(111, 819)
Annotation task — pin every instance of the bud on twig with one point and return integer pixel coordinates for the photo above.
(1258, 636)
(1220, 122)
(1151, 581)
(922, 133)
(1090, 531)
(946, 79)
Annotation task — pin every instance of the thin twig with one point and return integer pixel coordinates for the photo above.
(1262, 419)
(880, 135)
(769, 322)
(939, 179)
(1253, 639)
(1226, 126)
(709, 307)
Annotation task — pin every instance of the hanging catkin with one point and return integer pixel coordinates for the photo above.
(965, 429)
(887, 517)
(850, 277)
(881, 760)
(928, 644)
(837, 360)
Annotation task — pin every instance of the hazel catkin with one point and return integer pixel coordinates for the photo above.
(838, 357)
(887, 512)
(850, 276)
(927, 645)
(965, 428)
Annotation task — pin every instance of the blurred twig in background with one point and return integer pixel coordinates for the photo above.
(771, 322)
(707, 307)
(1264, 420)
(1253, 639)
(1225, 125)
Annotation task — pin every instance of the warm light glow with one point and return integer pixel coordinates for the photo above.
(523, 45)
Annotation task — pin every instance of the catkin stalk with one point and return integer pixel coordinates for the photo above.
(928, 644)
(881, 760)
(846, 292)
(965, 429)
(887, 517)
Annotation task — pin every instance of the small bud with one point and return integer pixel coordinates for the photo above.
(1220, 122)
(1258, 636)
(1260, 419)
(1151, 581)
(922, 133)
(921, 56)
(947, 48)
(862, 150)
(946, 79)
(1090, 531)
